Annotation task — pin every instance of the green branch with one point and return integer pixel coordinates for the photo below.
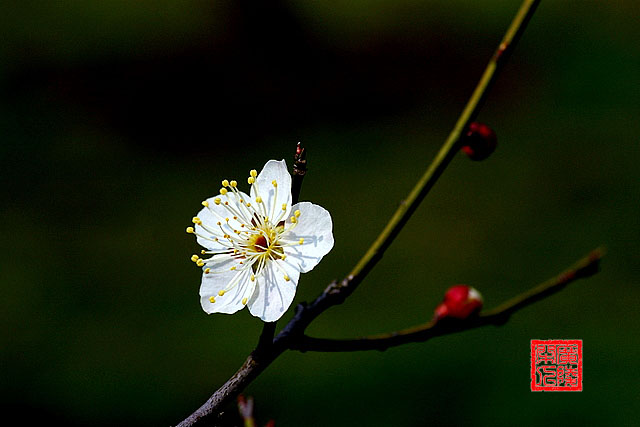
(583, 268)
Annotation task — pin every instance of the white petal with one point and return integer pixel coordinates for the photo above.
(274, 171)
(316, 228)
(274, 294)
(218, 279)
(211, 215)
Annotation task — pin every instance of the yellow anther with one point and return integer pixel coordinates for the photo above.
(234, 183)
(248, 205)
(223, 191)
(221, 292)
(301, 241)
(283, 257)
(219, 223)
(284, 206)
(226, 219)
(203, 252)
(253, 278)
(275, 184)
(200, 262)
(293, 219)
(205, 204)
(286, 278)
(233, 268)
(212, 300)
(196, 220)
(253, 173)
(259, 199)
(207, 270)
(225, 183)
(297, 213)
(244, 301)
(216, 200)
(251, 180)
(190, 230)
(194, 258)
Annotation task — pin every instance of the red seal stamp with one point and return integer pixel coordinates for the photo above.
(556, 365)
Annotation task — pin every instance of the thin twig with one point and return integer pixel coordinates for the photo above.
(448, 150)
(585, 267)
(336, 292)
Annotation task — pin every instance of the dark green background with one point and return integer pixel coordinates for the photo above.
(117, 118)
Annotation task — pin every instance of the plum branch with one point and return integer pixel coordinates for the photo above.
(292, 336)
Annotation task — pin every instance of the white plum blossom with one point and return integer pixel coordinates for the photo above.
(258, 244)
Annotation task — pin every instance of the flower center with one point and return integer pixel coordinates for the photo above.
(260, 244)
(265, 242)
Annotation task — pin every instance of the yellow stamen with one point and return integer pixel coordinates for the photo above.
(212, 300)
(205, 204)
(221, 292)
(293, 219)
(253, 278)
(225, 183)
(259, 199)
(190, 230)
(234, 183)
(301, 241)
(223, 191)
(196, 220)
(194, 258)
(253, 173)
(216, 200)
(251, 180)
(284, 206)
(244, 301)
(207, 270)
(297, 213)
(287, 278)
(275, 184)
(200, 262)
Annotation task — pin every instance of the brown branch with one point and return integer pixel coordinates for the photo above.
(585, 267)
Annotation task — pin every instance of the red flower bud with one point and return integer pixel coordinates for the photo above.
(479, 141)
(460, 302)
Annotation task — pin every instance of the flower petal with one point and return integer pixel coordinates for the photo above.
(274, 294)
(273, 197)
(220, 277)
(316, 228)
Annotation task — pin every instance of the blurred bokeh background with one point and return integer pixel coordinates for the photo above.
(117, 118)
